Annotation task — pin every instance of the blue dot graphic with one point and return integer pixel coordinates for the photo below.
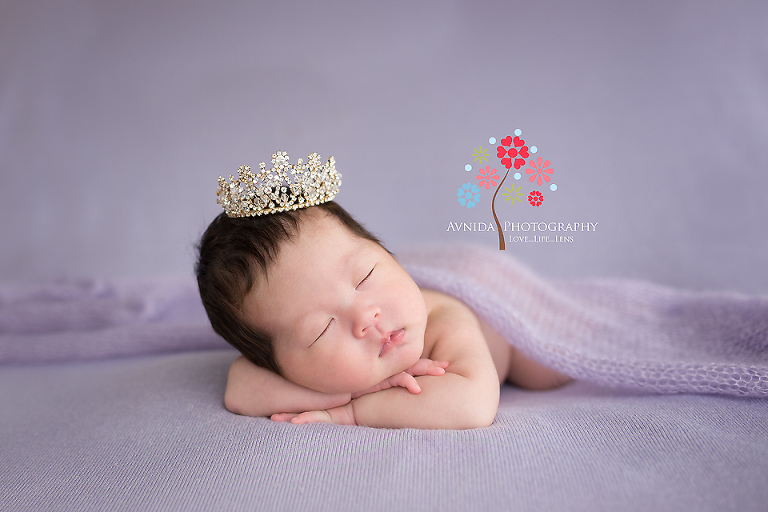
(492, 140)
(553, 187)
(518, 175)
(518, 132)
(534, 149)
(467, 167)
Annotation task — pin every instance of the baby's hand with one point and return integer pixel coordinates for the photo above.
(344, 415)
(406, 379)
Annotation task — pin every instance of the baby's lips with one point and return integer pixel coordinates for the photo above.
(394, 338)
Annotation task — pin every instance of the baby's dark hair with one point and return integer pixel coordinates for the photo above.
(233, 253)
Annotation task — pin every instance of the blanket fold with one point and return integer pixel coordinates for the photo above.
(96, 319)
(617, 333)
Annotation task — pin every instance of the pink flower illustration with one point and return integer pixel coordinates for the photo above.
(487, 177)
(538, 170)
(517, 150)
(535, 198)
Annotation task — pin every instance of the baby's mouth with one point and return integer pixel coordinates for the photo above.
(394, 338)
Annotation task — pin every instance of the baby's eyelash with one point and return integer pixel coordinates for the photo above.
(321, 334)
(366, 277)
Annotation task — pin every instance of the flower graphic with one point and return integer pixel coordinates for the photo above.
(480, 154)
(515, 148)
(537, 170)
(512, 195)
(487, 177)
(535, 198)
(468, 195)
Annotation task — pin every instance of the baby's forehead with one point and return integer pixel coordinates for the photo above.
(321, 239)
(308, 265)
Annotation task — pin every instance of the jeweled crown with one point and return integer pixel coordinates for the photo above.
(283, 187)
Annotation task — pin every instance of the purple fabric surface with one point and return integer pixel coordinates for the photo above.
(101, 319)
(151, 433)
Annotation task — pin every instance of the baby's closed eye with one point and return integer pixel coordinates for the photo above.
(324, 330)
(365, 278)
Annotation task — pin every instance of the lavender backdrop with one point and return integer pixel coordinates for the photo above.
(116, 118)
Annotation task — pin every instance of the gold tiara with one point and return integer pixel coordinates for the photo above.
(283, 187)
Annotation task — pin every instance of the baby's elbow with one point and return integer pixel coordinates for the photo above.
(489, 405)
(479, 413)
(238, 402)
(472, 417)
(232, 402)
(486, 417)
(483, 415)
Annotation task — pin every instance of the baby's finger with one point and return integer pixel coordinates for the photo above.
(437, 368)
(282, 417)
(407, 381)
(420, 367)
(427, 367)
(312, 417)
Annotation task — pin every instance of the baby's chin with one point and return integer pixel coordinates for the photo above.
(376, 376)
(410, 356)
(397, 361)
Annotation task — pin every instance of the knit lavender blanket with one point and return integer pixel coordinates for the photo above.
(94, 319)
(616, 333)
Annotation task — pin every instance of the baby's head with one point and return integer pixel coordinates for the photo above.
(311, 295)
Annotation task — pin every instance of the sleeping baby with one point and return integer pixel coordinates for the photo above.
(330, 327)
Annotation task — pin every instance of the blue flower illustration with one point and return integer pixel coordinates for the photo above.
(469, 195)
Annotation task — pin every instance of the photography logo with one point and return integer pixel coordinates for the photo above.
(532, 185)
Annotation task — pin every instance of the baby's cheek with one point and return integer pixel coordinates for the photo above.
(358, 379)
(348, 375)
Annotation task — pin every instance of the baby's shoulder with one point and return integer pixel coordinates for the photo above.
(441, 307)
(447, 315)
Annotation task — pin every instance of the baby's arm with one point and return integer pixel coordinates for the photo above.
(256, 391)
(345, 415)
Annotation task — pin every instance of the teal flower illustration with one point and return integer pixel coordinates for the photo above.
(468, 195)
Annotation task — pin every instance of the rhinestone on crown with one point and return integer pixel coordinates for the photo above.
(283, 187)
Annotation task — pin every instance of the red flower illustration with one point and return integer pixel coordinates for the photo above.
(536, 169)
(487, 176)
(535, 198)
(517, 150)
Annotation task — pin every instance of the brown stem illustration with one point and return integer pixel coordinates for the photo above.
(502, 246)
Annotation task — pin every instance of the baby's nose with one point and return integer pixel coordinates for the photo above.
(367, 318)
